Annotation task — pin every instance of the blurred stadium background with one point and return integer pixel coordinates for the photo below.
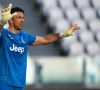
(70, 63)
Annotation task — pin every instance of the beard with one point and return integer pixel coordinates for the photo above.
(18, 27)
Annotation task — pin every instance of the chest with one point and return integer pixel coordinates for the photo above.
(14, 44)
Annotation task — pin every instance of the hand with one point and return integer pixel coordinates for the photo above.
(5, 13)
(70, 31)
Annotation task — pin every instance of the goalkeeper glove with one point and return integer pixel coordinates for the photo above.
(70, 31)
(5, 13)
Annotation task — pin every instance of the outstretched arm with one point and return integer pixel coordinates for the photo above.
(54, 37)
(46, 39)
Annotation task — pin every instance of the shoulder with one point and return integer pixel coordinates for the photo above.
(4, 30)
(26, 33)
(23, 32)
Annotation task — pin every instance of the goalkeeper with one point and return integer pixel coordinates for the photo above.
(14, 46)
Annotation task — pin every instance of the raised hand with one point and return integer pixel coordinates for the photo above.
(5, 13)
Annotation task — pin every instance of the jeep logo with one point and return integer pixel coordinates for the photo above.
(17, 49)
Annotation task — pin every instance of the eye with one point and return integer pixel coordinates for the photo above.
(19, 17)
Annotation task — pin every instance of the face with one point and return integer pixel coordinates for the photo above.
(18, 21)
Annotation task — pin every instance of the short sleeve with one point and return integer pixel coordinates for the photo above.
(31, 39)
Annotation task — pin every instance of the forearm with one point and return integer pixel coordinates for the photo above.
(46, 39)
(51, 38)
(54, 37)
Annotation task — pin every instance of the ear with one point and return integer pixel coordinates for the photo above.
(10, 21)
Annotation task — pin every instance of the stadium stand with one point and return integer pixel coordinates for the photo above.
(82, 36)
(95, 3)
(98, 12)
(65, 3)
(80, 4)
(76, 48)
(88, 13)
(97, 36)
(60, 25)
(63, 13)
(92, 48)
(71, 13)
(65, 43)
(94, 24)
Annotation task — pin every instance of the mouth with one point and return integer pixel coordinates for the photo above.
(21, 25)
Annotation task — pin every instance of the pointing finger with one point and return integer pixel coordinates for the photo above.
(77, 28)
(10, 6)
(73, 27)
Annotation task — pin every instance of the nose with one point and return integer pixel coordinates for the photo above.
(22, 19)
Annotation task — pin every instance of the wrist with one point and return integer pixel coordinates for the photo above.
(2, 22)
(61, 34)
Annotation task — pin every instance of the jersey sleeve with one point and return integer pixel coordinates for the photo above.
(31, 39)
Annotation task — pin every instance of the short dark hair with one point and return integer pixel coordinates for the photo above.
(16, 9)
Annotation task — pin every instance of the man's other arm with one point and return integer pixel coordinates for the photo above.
(46, 39)
(54, 37)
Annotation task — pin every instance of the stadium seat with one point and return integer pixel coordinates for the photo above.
(98, 12)
(88, 13)
(39, 1)
(72, 13)
(54, 14)
(65, 3)
(81, 4)
(61, 25)
(94, 24)
(48, 3)
(85, 36)
(81, 22)
(65, 43)
(61, 14)
(95, 3)
(97, 36)
(92, 48)
(76, 48)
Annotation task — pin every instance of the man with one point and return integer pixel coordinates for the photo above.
(13, 47)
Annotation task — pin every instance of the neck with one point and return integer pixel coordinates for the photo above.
(13, 30)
